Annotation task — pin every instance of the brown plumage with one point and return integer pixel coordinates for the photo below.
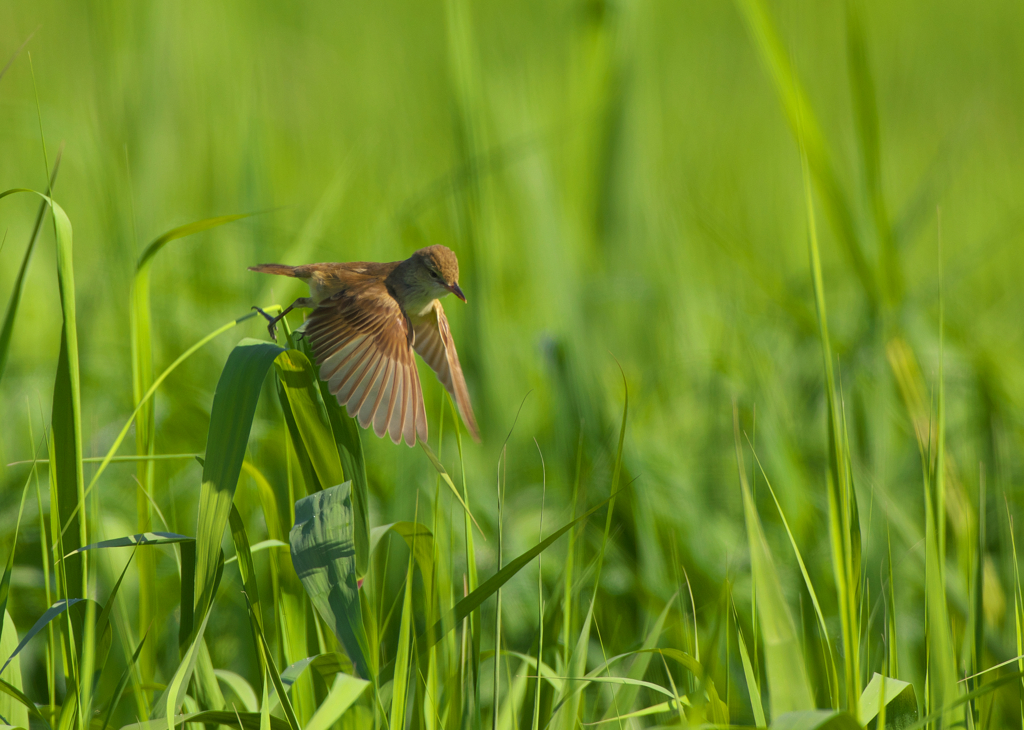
(367, 320)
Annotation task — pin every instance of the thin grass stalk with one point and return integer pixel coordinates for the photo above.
(503, 462)
(471, 579)
(842, 500)
(570, 564)
(540, 590)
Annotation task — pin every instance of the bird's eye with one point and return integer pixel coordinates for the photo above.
(435, 274)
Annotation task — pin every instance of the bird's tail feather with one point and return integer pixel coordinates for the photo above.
(279, 269)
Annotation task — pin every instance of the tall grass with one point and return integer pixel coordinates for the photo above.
(727, 198)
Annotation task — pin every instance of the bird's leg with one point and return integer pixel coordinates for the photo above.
(301, 302)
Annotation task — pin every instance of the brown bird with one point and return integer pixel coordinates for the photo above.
(367, 320)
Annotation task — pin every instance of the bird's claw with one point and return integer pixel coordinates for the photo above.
(271, 323)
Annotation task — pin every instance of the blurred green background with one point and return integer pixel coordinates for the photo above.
(620, 183)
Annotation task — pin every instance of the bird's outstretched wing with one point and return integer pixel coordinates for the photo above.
(434, 343)
(361, 341)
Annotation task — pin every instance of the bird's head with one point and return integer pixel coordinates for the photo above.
(436, 272)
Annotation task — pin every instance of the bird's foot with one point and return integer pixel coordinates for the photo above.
(271, 323)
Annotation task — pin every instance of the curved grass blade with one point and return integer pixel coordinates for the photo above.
(11, 315)
(240, 687)
(268, 660)
(345, 691)
(249, 720)
(624, 696)
(464, 607)
(15, 55)
(5, 581)
(148, 538)
(122, 683)
(448, 480)
(753, 690)
(30, 706)
(170, 702)
(833, 677)
(50, 614)
(245, 565)
(12, 707)
(234, 405)
(400, 687)
(259, 547)
(900, 702)
(419, 539)
(141, 333)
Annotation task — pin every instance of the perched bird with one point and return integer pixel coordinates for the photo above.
(367, 320)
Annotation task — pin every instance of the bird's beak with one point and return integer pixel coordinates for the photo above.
(454, 289)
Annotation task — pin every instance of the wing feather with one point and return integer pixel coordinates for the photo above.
(360, 339)
(434, 344)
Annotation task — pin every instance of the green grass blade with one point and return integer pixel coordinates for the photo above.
(899, 702)
(249, 721)
(788, 683)
(13, 707)
(565, 715)
(432, 457)
(11, 314)
(234, 405)
(240, 687)
(805, 127)
(122, 683)
(815, 720)
(464, 607)
(9, 711)
(141, 343)
(420, 541)
(752, 684)
(345, 691)
(173, 696)
(400, 690)
(268, 660)
(844, 521)
(307, 408)
(128, 424)
(5, 580)
(149, 538)
(49, 615)
(833, 680)
(624, 696)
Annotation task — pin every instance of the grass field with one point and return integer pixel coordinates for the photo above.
(743, 337)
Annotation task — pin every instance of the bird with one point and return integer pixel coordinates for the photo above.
(366, 322)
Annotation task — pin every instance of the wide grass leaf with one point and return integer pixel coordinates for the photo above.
(900, 702)
(12, 707)
(345, 691)
(323, 553)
